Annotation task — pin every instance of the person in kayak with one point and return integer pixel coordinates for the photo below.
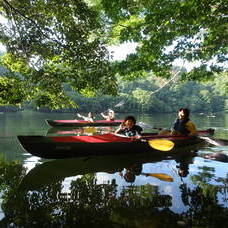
(183, 125)
(110, 115)
(129, 127)
(90, 117)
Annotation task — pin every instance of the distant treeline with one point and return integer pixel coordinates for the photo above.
(9, 108)
(149, 96)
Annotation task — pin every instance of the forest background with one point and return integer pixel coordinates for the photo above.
(147, 95)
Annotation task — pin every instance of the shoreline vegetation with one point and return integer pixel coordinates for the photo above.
(142, 95)
(138, 96)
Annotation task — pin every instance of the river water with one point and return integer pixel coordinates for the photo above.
(112, 191)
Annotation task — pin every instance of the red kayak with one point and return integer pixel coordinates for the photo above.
(78, 146)
(83, 123)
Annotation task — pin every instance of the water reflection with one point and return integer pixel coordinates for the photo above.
(61, 168)
(92, 191)
(40, 197)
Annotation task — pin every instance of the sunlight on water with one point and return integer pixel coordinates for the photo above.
(31, 162)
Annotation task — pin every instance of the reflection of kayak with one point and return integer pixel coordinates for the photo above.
(81, 123)
(57, 170)
(106, 144)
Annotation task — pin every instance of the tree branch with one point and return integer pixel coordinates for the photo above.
(12, 8)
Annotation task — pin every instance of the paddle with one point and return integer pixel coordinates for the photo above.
(119, 104)
(158, 144)
(86, 118)
(213, 141)
(161, 144)
(216, 142)
(161, 176)
(166, 145)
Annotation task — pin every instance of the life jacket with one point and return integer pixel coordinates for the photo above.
(180, 126)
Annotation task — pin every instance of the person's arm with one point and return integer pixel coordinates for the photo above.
(191, 128)
(103, 115)
(120, 128)
(81, 116)
(86, 118)
(138, 131)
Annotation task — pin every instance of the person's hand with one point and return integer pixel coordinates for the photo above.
(135, 138)
(122, 125)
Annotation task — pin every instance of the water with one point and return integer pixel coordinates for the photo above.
(113, 191)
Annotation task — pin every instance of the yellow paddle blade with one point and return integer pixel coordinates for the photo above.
(161, 176)
(161, 144)
(90, 130)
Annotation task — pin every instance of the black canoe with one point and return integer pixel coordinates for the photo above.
(83, 123)
(78, 146)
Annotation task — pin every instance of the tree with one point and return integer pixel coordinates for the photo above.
(51, 47)
(167, 30)
(68, 44)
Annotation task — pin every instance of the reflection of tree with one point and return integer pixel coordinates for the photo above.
(139, 204)
(208, 175)
(149, 195)
(87, 203)
(223, 189)
(203, 201)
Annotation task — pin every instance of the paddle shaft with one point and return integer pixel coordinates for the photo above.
(216, 142)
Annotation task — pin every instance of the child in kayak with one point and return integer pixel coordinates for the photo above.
(90, 117)
(129, 127)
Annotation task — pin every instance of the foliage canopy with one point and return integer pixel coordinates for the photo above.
(51, 43)
(167, 30)
(55, 42)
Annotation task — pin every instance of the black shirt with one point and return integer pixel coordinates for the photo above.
(135, 130)
(180, 126)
